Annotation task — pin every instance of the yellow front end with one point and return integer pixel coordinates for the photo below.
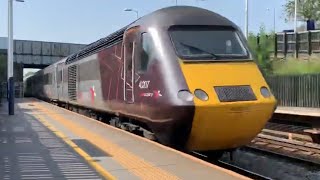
(225, 125)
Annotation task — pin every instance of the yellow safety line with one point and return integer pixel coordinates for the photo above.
(128, 160)
(82, 153)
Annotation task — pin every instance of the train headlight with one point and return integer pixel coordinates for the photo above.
(201, 94)
(265, 92)
(185, 95)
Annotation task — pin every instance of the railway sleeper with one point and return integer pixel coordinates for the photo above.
(314, 134)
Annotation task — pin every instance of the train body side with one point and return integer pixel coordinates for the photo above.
(99, 84)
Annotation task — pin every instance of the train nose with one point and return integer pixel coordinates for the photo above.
(230, 117)
(228, 126)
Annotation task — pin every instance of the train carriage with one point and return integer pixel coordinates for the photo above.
(182, 75)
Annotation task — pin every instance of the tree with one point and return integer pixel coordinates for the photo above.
(262, 51)
(307, 10)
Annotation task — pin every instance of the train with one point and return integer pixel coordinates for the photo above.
(183, 76)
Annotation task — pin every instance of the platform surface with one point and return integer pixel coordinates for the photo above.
(43, 141)
(298, 111)
(29, 150)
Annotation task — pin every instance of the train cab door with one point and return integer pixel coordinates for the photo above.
(130, 54)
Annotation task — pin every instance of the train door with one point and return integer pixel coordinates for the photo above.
(59, 81)
(54, 82)
(130, 49)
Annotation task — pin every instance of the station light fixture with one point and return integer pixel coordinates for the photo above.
(132, 10)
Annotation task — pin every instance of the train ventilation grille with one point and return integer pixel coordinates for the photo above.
(72, 82)
(235, 93)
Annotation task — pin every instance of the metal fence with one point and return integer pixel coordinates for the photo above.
(296, 91)
(19, 89)
(296, 45)
(1, 94)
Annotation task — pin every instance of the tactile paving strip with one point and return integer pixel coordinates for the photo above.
(30, 151)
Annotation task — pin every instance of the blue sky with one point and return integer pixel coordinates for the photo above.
(84, 21)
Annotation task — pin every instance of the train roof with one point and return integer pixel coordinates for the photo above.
(176, 15)
(162, 18)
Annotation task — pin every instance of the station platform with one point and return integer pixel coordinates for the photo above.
(299, 111)
(43, 141)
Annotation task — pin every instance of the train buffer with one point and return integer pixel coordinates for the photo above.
(43, 141)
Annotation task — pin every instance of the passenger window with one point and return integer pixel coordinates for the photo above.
(50, 79)
(47, 79)
(146, 52)
(59, 76)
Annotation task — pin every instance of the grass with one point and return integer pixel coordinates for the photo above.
(296, 67)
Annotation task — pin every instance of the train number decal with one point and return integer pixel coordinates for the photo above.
(144, 84)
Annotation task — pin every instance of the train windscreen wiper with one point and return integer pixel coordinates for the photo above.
(199, 49)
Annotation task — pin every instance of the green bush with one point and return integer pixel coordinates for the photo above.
(262, 51)
(296, 67)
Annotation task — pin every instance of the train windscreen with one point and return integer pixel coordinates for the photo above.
(207, 43)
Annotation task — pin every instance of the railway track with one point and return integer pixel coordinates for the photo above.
(287, 127)
(242, 171)
(301, 151)
(287, 131)
(293, 151)
(232, 167)
(307, 126)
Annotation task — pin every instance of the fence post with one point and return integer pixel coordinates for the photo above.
(285, 44)
(309, 43)
(275, 45)
(0, 93)
(297, 45)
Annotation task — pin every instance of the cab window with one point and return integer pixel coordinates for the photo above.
(146, 52)
(208, 43)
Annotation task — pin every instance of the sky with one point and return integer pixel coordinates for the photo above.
(85, 21)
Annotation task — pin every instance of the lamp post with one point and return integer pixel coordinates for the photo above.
(10, 57)
(132, 10)
(246, 30)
